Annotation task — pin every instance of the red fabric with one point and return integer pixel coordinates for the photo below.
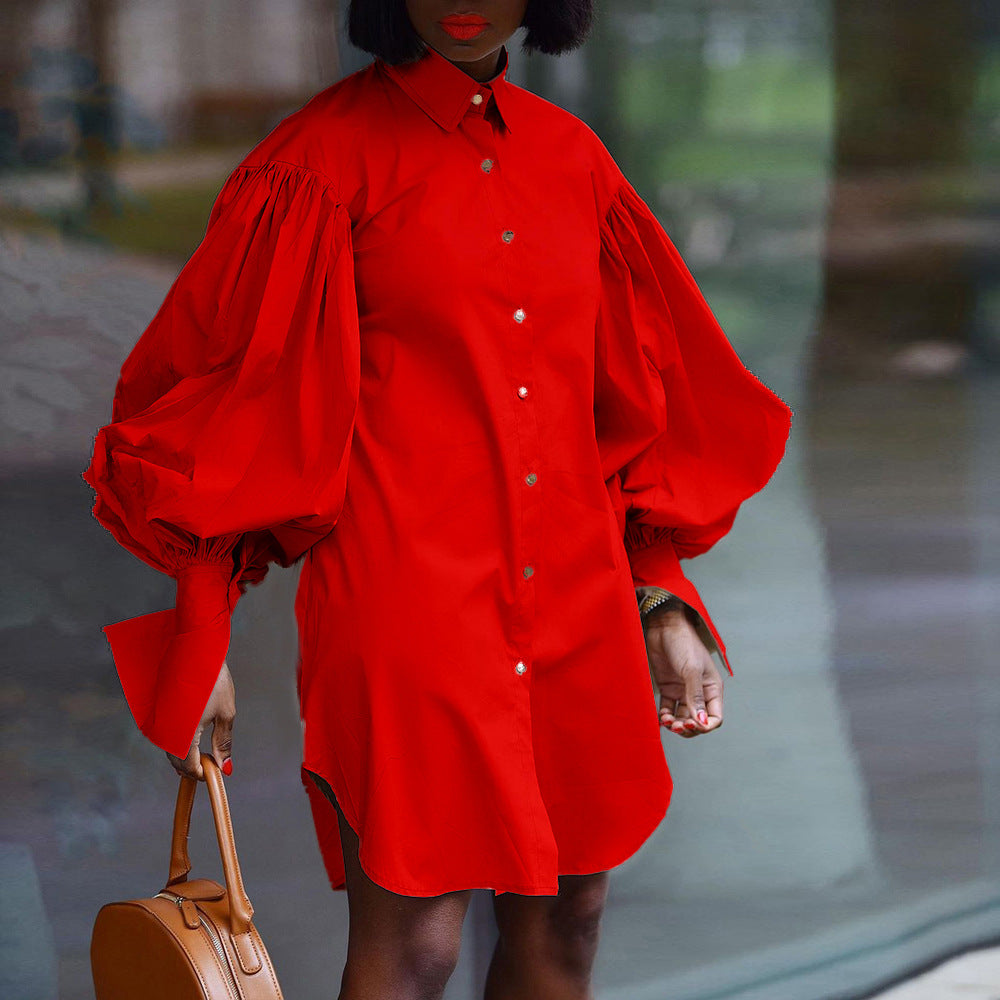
(340, 372)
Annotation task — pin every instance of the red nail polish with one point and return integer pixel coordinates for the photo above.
(703, 718)
(227, 766)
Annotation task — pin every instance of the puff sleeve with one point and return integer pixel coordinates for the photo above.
(231, 427)
(686, 432)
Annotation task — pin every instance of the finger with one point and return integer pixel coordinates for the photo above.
(669, 694)
(192, 763)
(713, 723)
(699, 730)
(694, 696)
(714, 708)
(667, 716)
(222, 740)
(682, 723)
(667, 703)
(182, 765)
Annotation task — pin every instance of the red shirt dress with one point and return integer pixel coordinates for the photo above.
(435, 343)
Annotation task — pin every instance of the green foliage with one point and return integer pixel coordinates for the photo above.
(167, 222)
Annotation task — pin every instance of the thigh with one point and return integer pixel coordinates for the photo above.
(380, 918)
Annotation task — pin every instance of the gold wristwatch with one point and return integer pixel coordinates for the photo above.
(656, 597)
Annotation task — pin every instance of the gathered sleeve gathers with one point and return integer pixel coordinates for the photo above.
(686, 431)
(231, 428)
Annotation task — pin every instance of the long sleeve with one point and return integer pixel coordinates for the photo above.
(686, 432)
(231, 427)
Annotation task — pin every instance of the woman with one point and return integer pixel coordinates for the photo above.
(435, 345)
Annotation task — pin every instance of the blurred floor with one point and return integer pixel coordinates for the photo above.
(974, 975)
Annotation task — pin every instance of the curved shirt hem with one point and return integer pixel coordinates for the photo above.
(524, 889)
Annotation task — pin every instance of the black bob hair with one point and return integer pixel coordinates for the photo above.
(383, 27)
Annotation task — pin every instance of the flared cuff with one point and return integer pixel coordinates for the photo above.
(655, 563)
(704, 633)
(168, 661)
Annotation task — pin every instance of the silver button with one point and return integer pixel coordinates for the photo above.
(520, 667)
(519, 315)
(487, 165)
(507, 235)
(528, 570)
(531, 479)
(522, 391)
(477, 98)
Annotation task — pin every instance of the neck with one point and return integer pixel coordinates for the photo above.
(483, 69)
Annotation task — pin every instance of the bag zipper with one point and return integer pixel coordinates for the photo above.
(214, 939)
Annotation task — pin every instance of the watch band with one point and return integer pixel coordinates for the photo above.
(657, 597)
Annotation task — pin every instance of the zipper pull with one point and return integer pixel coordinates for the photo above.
(190, 911)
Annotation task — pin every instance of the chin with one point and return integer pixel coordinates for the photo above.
(473, 47)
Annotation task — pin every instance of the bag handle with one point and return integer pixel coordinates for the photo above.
(240, 908)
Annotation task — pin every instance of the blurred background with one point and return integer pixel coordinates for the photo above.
(830, 170)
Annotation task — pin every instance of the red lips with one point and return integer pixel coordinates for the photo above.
(464, 26)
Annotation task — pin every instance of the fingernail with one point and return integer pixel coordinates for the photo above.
(703, 718)
(689, 723)
(227, 766)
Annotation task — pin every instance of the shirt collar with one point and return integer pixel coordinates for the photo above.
(445, 92)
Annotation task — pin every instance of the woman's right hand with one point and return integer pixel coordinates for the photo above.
(220, 710)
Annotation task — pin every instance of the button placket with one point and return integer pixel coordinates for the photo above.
(514, 277)
(524, 429)
(526, 445)
(527, 448)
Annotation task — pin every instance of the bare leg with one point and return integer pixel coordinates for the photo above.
(548, 944)
(399, 947)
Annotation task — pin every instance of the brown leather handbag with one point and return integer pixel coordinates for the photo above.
(193, 940)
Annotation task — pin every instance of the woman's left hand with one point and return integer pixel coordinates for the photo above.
(683, 669)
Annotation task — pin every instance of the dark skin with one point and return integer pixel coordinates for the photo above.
(407, 947)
